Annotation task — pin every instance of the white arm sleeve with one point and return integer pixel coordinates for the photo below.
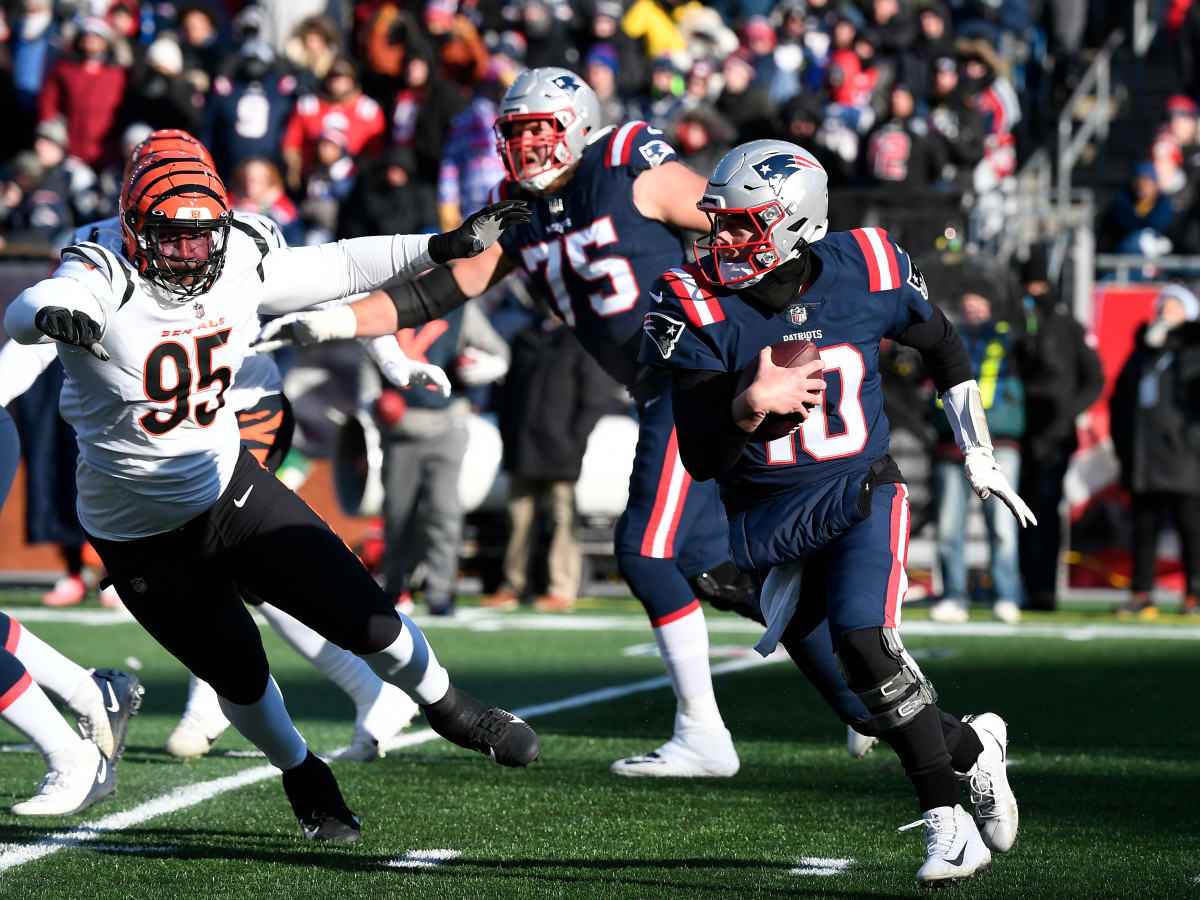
(299, 277)
(20, 366)
(964, 409)
(63, 291)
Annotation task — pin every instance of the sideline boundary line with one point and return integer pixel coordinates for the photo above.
(187, 795)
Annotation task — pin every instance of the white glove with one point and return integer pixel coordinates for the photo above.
(410, 373)
(986, 477)
(476, 367)
(303, 329)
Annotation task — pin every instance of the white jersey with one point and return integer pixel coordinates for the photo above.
(259, 376)
(158, 440)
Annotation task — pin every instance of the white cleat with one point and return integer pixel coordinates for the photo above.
(948, 612)
(954, 851)
(859, 745)
(88, 705)
(692, 752)
(194, 736)
(993, 797)
(391, 713)
(1007, 612)
(77, 778)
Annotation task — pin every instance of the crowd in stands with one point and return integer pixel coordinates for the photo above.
(312, 108)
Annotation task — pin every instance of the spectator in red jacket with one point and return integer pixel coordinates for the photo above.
(340, 106)
(86, 89)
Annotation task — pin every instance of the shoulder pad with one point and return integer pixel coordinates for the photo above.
(879, 256)
(637, 144)
(99, 259)
(692, 291)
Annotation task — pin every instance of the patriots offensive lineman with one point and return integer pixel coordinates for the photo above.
(820, 517)
(607, 207)
(185, 518)
(265, 425)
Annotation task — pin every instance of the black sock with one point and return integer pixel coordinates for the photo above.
(922, 752)
(962, 743)
(73, 555)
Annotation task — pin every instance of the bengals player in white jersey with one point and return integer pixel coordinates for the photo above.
(183, 517)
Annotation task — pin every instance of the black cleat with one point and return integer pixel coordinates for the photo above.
(122, 695)
(317, 802)
(469, 723)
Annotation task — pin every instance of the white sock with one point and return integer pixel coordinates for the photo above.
(410, 664)
(32, 714)
(347, 670)
(683, 645)
(53, 671)
(267, 725)
(85, 753)
(204, 702)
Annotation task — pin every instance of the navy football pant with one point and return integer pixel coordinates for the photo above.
(673, 528)
(14, 679)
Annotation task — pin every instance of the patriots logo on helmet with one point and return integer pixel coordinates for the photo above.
(777, 169)
(665, 332)
(568, 83)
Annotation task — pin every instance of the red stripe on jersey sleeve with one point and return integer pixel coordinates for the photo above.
(868, 252)
(890, 252)
(628, 148)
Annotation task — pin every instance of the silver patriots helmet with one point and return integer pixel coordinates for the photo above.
(545, 120)
(765, 201)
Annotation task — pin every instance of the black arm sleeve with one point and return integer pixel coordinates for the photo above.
(942, 350)
(710, 441)
(427, 298)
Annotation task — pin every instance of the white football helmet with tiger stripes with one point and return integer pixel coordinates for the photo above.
(567, 104)
(765, 201)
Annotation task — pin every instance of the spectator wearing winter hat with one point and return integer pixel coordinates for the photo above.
(758, 36)
(203, 41)
(1176, 153)
(903, 151)
(956, 123)
(34, 207)
(422, 109)
(388, 198)
(34, 40)
(1139, 218)
(470, 165)
(327, 186)
(744, 100)
(549, 42)
(604, 27)
(664, 97)
(340, 105)
(701, 83)
(601, 70)
(312, 50)
(86, 89)
(162, 95)
(702, 136)
(934, 40)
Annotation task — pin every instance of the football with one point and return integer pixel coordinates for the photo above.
(787, 354)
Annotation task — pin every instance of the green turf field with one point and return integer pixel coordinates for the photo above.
(1103, 743)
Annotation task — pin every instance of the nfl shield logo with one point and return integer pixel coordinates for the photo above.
(198, 310)
(138, 584)
(798, 313)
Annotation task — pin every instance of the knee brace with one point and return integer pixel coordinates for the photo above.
(726, 588)
(885, 677)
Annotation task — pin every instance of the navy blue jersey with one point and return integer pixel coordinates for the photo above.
(868, 289)
(591, 253)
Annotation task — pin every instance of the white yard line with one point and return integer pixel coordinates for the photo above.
(14, 855)
(486, 620)
(423, 859)
(814, 865)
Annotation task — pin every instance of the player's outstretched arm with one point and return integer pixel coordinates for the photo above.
(402, 371)
(669, 193)
(964, 409)
(58, 309)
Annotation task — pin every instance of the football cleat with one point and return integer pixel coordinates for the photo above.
(194, 736)
(107, 724)
(859, 745)
(470, 723)
(1007, 612)
(993, 797)
(948, 612)
(317, 802)
(954, 851)
(85, 778)
(67, 591)
(692, 752)
(391, 713)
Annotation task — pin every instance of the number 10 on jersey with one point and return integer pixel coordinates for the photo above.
(815, 439)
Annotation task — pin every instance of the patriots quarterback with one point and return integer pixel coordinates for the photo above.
(607, 206)
(819, 517)
(185, 518)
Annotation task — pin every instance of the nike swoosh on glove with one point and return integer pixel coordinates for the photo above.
(479, 231)
(416, 374)
(986, 477)
(71, 327)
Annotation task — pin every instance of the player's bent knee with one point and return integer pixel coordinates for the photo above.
(884, 676)
(242, 686)
(379, 632)
(657, 583)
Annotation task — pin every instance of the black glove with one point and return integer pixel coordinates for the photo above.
(478, 232)
(75, 328)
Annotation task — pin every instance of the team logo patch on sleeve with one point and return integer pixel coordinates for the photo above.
(656, 152)
(665, 332)
(915, 279)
